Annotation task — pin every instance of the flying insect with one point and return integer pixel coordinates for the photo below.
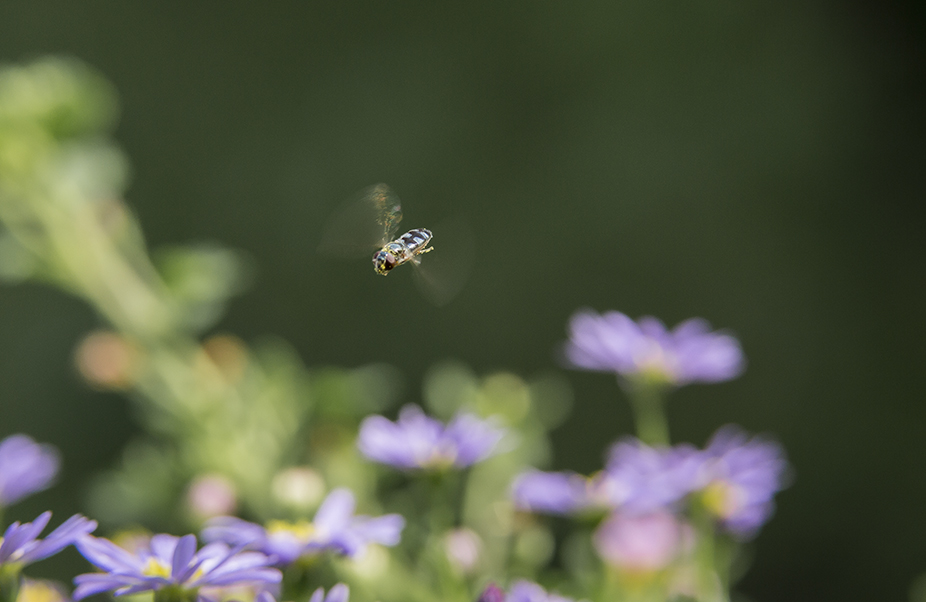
(408, 247)
(371, 222)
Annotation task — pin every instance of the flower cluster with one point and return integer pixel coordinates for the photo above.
(735, 477)
(230, 421)
(653, 497)
(648, 497)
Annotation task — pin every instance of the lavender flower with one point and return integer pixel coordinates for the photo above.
(551, 492)
(739, 477)
(335, 529)
(641, 479)
(637, 479)
(21, 545)
(642, 543)
(612, 342)
(25, 468)
(416, 441)
(168, 562)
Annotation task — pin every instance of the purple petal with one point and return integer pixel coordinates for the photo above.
(67, 533)
(18, 538)
(162, 547)
(180, 568)
(261, 575)
(338, 593)
(95, 583)
(239, 561)
(234, 531)
(107, 556)
(385, 530)
(473, 438)
(335, 512)
(25, 468)
(152, 583)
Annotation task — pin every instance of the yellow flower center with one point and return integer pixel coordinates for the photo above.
(440, 459)
(303, 530)
(654, 364)
(156, 568)
(39, 591)
(724, 499)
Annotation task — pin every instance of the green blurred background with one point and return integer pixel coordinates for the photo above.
(757, 164)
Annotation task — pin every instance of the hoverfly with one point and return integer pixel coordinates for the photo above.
(371, 222)
(405, 248)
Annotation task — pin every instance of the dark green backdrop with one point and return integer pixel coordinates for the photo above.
(756, 163)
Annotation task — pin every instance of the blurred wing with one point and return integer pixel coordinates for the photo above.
(442, 273)
(367, 221)
(388, 209)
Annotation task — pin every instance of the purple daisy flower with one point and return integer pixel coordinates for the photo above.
(689, 353)
(520, 591)
(335, 528)
(551, 492)
(637, 479)
(21, 545)
(640, 479)
(739, 477)
(25, 468)
(416, 441)
(168, 561)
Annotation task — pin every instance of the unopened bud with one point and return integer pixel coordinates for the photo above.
(298, 488)
(211, 495)
(492, 593)
(642, 544)
(463, 548)
(229, 354)
(107, 360)
(40, 590)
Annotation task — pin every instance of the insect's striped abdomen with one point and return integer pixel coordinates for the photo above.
(415, 239)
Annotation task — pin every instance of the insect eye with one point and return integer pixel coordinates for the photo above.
(383, 261)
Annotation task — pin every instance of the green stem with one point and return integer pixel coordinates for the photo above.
(10, 580)
(649, 413)
(175, 593)
(710, 587)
